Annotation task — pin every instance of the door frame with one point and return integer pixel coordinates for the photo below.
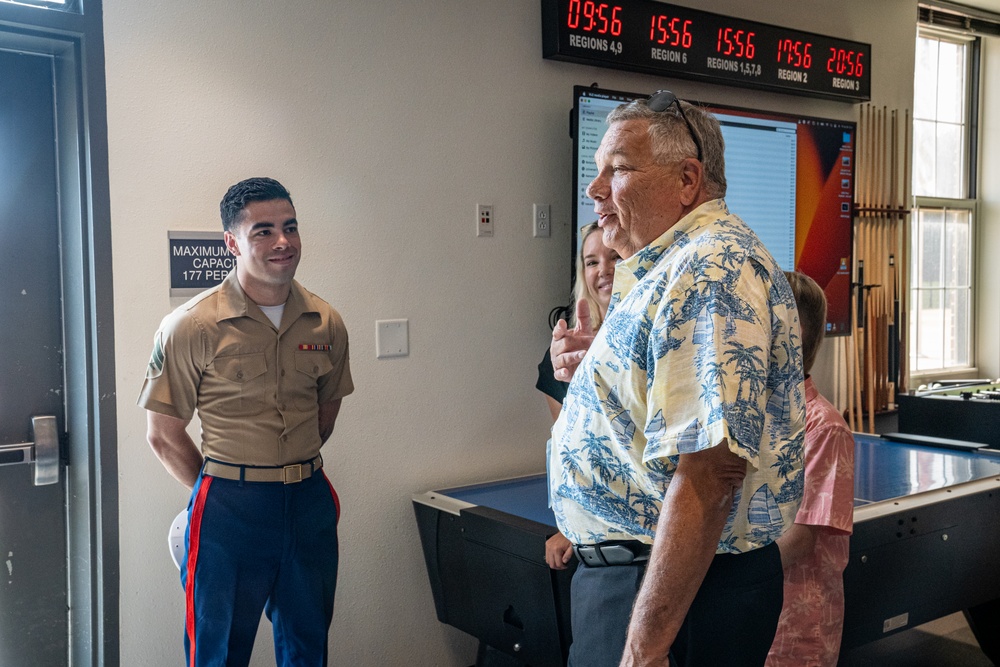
(76, 43)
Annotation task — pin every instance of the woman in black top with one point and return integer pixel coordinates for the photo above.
(595, 273)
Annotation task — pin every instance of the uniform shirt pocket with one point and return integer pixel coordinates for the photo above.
(246, 372)
(311, 365)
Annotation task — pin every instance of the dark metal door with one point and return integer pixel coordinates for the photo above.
(33, 584)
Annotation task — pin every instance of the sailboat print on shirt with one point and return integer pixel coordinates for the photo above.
(655, 430)
(703, 328)
(692, 439)
(763, 508)
(621, 422)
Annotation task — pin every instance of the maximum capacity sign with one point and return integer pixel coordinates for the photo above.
(198, 260)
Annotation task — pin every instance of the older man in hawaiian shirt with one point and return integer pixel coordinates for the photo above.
(677, 458)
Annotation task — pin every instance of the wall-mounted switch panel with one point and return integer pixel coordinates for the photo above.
(484, 220)
(392, 338)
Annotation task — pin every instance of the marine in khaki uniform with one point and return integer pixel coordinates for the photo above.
(264, 362)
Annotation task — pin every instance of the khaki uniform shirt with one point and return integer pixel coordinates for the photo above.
(257, 390)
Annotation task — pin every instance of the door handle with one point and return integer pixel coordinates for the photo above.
(43, 452)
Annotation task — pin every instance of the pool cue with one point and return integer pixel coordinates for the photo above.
(857, 338)
(868, 241)
(848, 346)
(883, 353)
(870, 366)
(872, 259)
(890, 397)
(893, 334)
(878, 303)
(881, 251)
(904, 252)
(872, 270)
(871, 265)
(859, 334)
(860, 341)
(893, 292)
(895, 215)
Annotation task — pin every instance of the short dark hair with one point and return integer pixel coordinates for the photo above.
(811, 303)
(246, 191)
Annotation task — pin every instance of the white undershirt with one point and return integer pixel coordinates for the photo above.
(274, 314)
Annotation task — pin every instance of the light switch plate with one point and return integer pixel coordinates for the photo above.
(484, 220)
(392, 338)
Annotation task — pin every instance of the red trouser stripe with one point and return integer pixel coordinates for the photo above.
(333, 492)
(194, 534)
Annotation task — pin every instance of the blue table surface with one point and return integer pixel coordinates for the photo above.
(883, 470)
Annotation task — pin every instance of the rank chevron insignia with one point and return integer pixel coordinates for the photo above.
(156, 359)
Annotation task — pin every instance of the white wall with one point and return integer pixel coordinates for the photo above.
(388, 122)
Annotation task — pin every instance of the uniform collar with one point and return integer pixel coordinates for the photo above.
(233, 302)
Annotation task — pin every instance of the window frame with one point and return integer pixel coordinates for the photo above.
(968, 203)
(929, 204)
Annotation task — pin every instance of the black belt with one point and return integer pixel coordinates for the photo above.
(287, 474)
(618, 552)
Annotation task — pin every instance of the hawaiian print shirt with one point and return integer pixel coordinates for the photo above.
(700, 345)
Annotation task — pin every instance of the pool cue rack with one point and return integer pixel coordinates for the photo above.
(871, 362)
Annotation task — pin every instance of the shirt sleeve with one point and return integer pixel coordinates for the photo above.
(175, 368)
(828, 494)
(337, 383)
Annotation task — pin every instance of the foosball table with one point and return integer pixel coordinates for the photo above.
(962, 410)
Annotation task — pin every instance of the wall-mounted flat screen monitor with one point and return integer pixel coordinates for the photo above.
(790, 178)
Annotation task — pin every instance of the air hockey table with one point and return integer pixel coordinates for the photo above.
(926, 543)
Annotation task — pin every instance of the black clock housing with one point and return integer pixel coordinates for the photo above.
(667, 40)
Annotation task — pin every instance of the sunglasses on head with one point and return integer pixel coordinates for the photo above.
(662, 100)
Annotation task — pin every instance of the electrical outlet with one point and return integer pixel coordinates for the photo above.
(542, 217)
(484, 220)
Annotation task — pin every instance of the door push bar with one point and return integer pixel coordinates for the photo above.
(43, 452)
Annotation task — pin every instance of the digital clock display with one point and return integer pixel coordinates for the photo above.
(599, 18)
(664, 39)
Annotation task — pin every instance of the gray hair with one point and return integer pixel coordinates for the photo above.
(671, 138)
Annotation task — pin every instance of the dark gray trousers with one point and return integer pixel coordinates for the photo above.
(731, 622)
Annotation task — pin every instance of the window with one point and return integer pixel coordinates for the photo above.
(60, 5)
(941, 316)
(942, 226)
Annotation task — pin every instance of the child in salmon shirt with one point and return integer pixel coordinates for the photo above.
(814, 551)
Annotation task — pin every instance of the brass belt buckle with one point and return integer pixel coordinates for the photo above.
(292, 473)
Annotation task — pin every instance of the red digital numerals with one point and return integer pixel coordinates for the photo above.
(845, 63)
(670, 31)
(597, 17)
(794, 53)
(735, 43)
